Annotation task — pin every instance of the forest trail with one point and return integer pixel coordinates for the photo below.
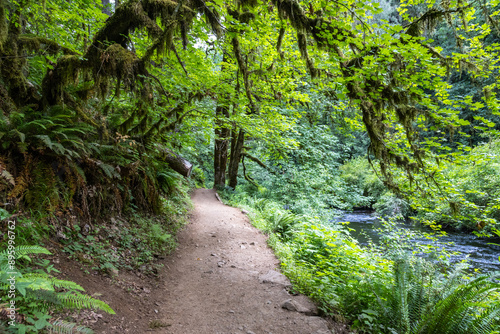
(223, 278)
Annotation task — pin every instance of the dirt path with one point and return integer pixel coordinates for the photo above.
(223, 278)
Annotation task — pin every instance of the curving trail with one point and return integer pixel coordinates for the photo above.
(223, 279)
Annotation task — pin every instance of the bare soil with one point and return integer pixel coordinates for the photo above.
(223, 278)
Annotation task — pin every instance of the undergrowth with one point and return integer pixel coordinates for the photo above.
(386, 289)
(131, 242)
(128, 242)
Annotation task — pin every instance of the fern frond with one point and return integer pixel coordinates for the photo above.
(52, 281)
(23, 251)
(109, 170)
(47, 296)
(466, 310)
(79, 301)
(64, 327)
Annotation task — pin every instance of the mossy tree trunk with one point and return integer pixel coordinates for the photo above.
(222, 134)
(236, 154)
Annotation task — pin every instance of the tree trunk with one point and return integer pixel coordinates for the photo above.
(222, 133)
(178, 163)
(221, 148)
(234, 163)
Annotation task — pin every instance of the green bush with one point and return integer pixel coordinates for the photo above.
(469, 195)
(363, 183)
(390, 205)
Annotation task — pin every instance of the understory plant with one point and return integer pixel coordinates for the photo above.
(36, 294)
(379, 289)
(423, 300)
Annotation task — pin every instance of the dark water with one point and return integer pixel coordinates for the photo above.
(481, 253)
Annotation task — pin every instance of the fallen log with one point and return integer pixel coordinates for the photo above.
(177, 163)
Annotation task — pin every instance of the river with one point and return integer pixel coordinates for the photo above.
(482, 253)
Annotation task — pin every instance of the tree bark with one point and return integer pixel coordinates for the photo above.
(222, 134)
(221, 147)
(234, 163)
(178, 163)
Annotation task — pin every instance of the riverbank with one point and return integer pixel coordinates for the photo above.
(481, 253)
(375, 288)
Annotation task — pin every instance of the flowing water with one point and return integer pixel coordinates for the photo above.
(481, 252)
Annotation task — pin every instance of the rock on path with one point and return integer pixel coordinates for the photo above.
(225, 279)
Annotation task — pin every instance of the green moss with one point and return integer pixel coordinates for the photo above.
(36, 43)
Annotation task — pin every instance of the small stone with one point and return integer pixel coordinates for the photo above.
(243, 247)
(146, 290)
(233, 266)
(221, 263)
(86, 229)
(156, 311)
(243, 211)
(213, 254)
(253, 243)
(274, 277)
(231, 311)
(250, 332)
(112, 271)
(289, 305)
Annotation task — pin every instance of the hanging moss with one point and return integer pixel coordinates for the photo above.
(7, 105)
(302, 43)
(36, 43)
(3, 25)
(66, 72)
(211, 15)
(118, 63)
(426, 23)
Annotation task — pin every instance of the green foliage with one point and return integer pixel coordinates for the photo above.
(362, 182)
(123, 244)
(282, 223)
(390, 205)
(463, 193)
(37, 294)
(305, 180)
(422, 300)
(382, 289)
(63, 327)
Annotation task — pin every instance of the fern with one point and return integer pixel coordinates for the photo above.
(63, 327)
(109, 170)
(41, 293)
(283, 223)
(168, 180)
(22, 251)
(79, 301)
(422, 301)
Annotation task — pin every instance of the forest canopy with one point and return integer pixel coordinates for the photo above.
(96, 96)
(298, 109)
